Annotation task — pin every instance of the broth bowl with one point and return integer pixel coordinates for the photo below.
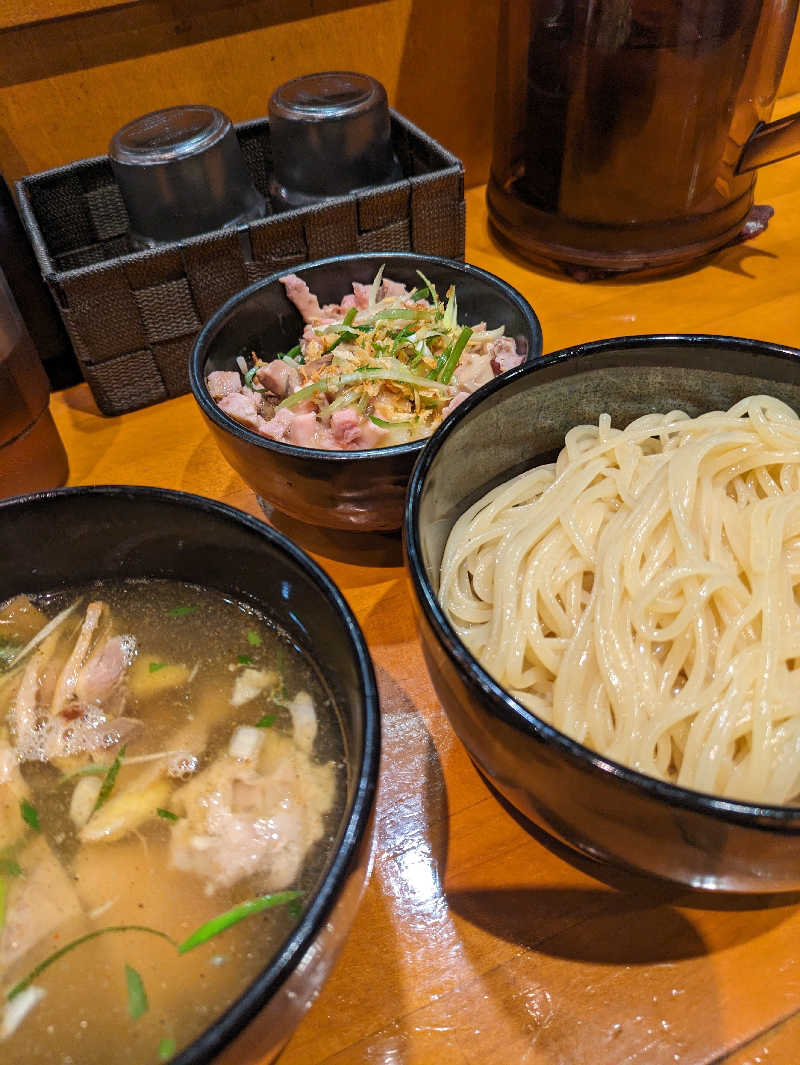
(75, 536)
(586, 800)
(349, 490)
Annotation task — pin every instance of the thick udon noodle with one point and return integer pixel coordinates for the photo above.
(642, 595)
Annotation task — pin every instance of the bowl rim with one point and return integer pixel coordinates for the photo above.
(234, 1019)
(762, 816)
(217, 320)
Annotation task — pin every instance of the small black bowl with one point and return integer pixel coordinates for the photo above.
(78, 535)
(589, 802)
(351, 490)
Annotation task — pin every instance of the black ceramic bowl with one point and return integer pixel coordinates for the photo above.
(587, 801)
(353, 490)
(81, 534)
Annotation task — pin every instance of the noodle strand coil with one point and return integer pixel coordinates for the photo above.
(642, 594)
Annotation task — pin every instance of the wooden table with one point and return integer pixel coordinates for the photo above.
(478, 942)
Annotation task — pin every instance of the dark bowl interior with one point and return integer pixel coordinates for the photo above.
(339, 489)
(593, 804)
(73, 536)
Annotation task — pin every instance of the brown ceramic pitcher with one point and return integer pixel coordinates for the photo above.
(628, 132)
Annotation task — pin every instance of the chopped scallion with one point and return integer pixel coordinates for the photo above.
(26, 981)
(29, 814)
(244, 660)
(168, 815)
(231, 917)
(166, 1048)
(253, 638)
(349, 318)
(109, 781)
(267, 721)
(182, 611)
(155, 666)
(137, 996)
(452, 359)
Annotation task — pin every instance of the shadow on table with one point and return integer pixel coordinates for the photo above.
(640, 921)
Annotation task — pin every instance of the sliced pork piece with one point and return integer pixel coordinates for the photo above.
(42, 909)
(254, 816)
(278, 427)
(504, 355)
(456, 401)
(473, 370)
(394, 290)
(96, 623)
(223, 383)
(243, 407)
(302, 297)
(278, 377)
(305, 430)
(346, 426)
(100, 681)
(361, 295)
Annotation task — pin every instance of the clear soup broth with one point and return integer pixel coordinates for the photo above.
(166, 757)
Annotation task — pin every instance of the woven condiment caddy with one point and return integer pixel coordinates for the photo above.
(133, 316)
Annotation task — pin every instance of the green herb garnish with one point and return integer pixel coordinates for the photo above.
(109, 781)
(168, 815)
(231, 917)
(244, 660)
(349, 318)
(182, 611)
(155, 666)
(455, 354)
(137, 996)
(387, 425)
(253, 638)
(166, 1048)
(87, 771)
(292, 353)
(267, 721)
(29, 815)
(26, 981)
(248, 377)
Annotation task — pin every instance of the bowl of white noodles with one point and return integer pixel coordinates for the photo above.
(604, 548)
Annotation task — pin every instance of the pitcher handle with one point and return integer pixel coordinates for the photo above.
(770, 142)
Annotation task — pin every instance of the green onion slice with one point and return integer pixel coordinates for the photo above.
(267, 721)
(26, 981)
(109, 781)
(253, 638)
(166, 1048)
(372, 373)
(155, 666)
(168, 815)
(182, 611)
(29, 814)
(137, 996)
(231, 917)
(455, 354)
(388, 425)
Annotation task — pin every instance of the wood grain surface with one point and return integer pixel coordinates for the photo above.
(73, 71)
(480, 941)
